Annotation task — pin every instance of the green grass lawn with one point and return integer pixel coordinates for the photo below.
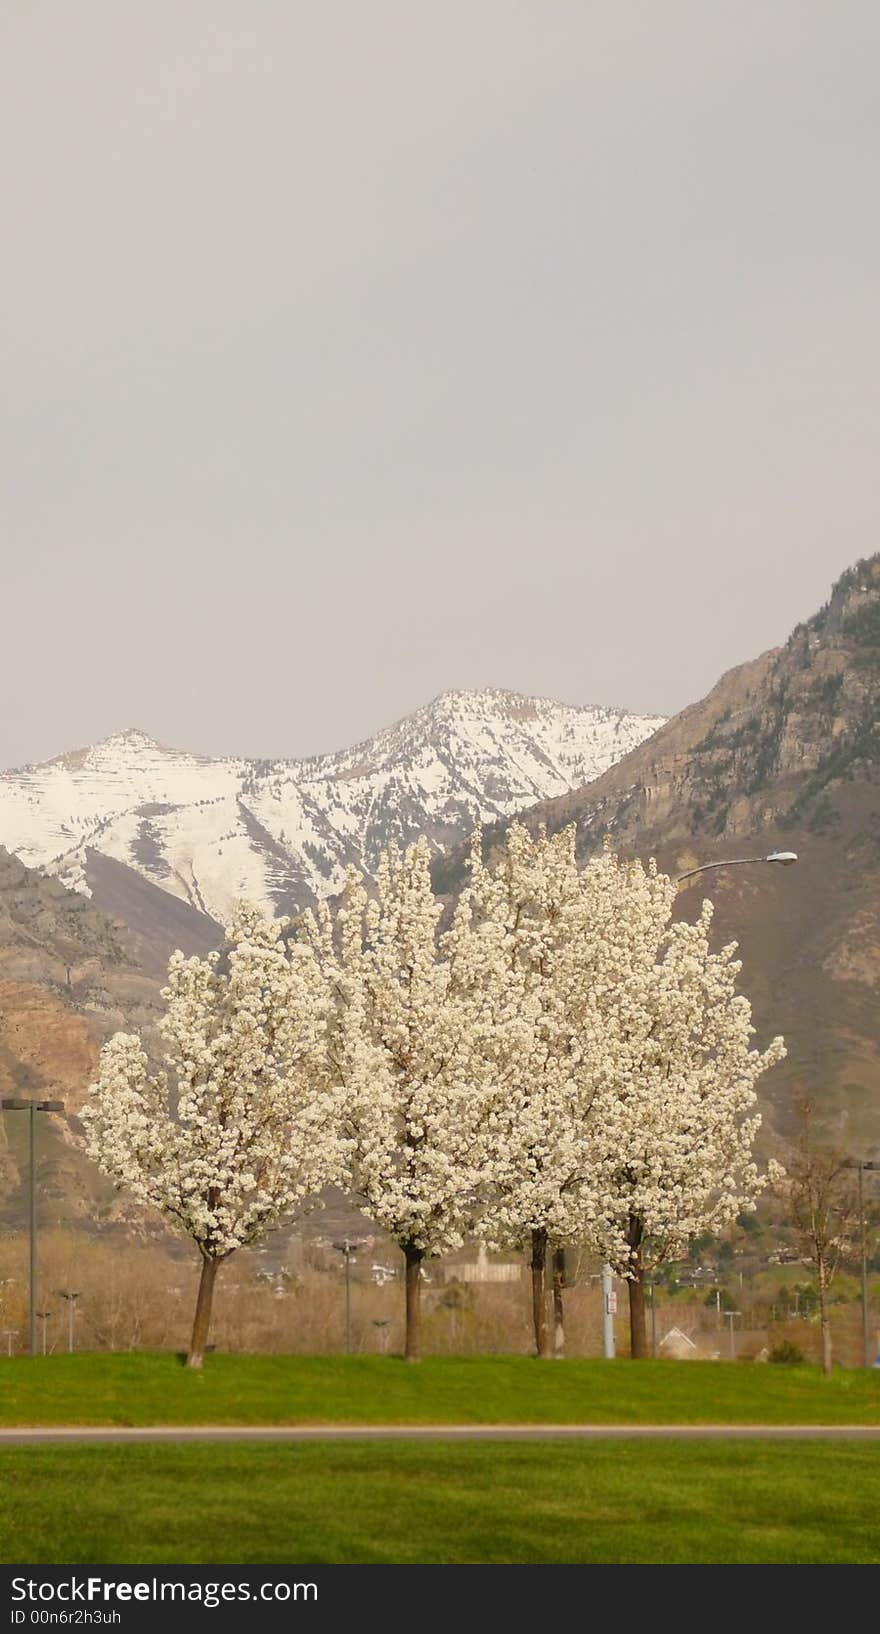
(397, 1503)
(142, 1388)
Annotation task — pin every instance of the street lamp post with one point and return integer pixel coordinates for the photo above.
(44, 1318)
(16, 1103)
(346, 1248)
(862, 1166)
(784, 859)
(381, 1324)
(71, 1298)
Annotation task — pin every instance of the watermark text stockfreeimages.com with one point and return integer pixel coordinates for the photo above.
(104, 1593)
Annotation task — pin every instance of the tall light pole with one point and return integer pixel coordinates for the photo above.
(65, 1293)
(862, 1166)
(16, 1103)
(346, 1248)
(783, 858)
(44, 1318)
(381, 1324)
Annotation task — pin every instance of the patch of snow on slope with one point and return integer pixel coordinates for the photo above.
(284, 832)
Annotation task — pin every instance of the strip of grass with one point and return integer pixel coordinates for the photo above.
(393, 1503)
(140, 1388)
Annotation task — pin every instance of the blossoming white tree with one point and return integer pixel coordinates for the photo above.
(402, 1056)
(563, 940)
(239, 1125)
(674, 1113)
(624, 1116)
(529, 908)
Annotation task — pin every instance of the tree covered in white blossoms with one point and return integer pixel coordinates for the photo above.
(542, 919)
(674, 1115)
(238, 1127)
(403, 1059)
(623, 1116)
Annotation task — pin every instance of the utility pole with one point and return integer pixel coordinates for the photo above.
(32, 1226)
(17, 1103)
(864, 1248)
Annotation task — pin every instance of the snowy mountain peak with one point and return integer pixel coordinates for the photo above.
(131, 737)
(284, 831)
(119, 747)
(133, 742)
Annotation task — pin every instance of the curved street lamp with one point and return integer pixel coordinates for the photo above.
(783, 858)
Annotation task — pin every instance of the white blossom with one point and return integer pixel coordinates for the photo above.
(237, 1128)
(541, 925)
(400, 1054)
(674, 1117)
(623, 1109)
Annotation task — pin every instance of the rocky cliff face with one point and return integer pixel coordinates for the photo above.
(774, 745)
(784, 753)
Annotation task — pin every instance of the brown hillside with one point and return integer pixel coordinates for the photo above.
(69, 976)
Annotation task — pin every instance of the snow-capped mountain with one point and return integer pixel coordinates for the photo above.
(283, 831)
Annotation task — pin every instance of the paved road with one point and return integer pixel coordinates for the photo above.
(443, 1432)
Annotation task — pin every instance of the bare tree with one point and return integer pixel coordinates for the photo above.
(821, 1198)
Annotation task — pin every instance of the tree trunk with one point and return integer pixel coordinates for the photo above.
(539, 1293)
(202, 1320)
(413, 1346)
(558, 1307)
(824, 1324)
(638, 1331)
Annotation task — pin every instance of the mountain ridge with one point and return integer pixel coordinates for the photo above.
(207, 830)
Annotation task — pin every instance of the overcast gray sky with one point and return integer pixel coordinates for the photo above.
(355, 349)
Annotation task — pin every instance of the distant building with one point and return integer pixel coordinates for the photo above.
(382, 1273)
(482, 1269)
(677, 1344)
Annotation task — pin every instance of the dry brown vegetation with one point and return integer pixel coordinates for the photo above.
(140, 1297)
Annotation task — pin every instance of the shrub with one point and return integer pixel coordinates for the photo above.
(785, 1351)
